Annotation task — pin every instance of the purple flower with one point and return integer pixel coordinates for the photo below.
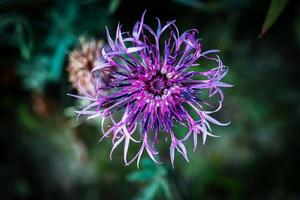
(155, 87)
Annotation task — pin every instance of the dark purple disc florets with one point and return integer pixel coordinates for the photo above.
(154, 87)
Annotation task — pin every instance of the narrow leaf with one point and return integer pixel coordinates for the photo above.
(275, 9)
(113, 6)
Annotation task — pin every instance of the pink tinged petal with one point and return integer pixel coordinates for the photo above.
(113, 53)
(100, 65)
(207, 125)
(81, 97)
(126, 146)
(204, 136)
(133, 40)
(211, 135)
(141, 26)
(213, 91)
(83, 91)
(150, 31)
(133, 49)
(216, 110)
(115, 146)
(166, 53)
(190, 43)
(119, 36)
(151, 155)
(158, 27)
(137, 156)
(94, 116)
(135, 30)
(110, 41)
(103, 52)
(109, 131)
(102, 124)
(212, 120)
(187, 135)
(140, 152)
(128, 135)
(204, 133)
(166, 26)
(106, 134)
(86, 111)
(221, 84)
(221, 95)
(116, 104)
(172, 154)
(195, 137)
(210, 51)
(181, 149)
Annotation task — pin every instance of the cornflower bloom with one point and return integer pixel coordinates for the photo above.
(154, 87)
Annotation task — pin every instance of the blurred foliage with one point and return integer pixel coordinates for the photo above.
(62, 33)
(48, 65)
(22, 35)
(213, 6)
(156, 178)
(276, 8)
(114, 4)
(48, 154)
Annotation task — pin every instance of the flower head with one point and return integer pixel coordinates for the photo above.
(155, 88)
(81, 62)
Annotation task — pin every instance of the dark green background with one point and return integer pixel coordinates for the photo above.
(47, 154)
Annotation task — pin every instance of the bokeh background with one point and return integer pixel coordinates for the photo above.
(47, 154)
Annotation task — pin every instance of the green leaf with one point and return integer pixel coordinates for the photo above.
(59, 57)
(143, 175)
(113, 6)
(275, 9)
(148, 164)
(150, 191)
(166, 188)
(24, 36)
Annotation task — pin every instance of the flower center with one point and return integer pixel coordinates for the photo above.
(157, 84)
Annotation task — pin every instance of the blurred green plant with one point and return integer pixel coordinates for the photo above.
(47, 64)
(22, 35)
(26, 117)
(155, 177)
(275, 9)
(113, 6)
(65, 26)
(212, 6)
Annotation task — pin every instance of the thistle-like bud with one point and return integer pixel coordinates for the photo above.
(82, 60)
